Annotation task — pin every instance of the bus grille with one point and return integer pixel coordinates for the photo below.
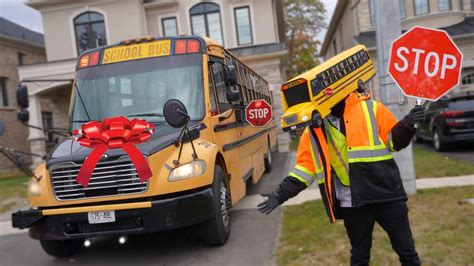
(110, 178)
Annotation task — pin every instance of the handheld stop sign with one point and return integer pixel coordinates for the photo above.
(258, 113)
(425, 63)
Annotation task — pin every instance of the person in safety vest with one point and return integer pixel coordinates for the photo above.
(350, 158)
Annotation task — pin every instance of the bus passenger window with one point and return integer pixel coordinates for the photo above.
(221, 88)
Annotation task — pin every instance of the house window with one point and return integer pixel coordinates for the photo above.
(206, 21)
(4, 92)
(467, 80)
(21, 59)
(372, 12)
(472, 5)
(243, 25)
(170, 27)
(89, 28)
(461, 5)
(403, 13)
(444, 5)
(421, 7)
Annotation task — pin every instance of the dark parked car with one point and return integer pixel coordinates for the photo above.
(449, 120)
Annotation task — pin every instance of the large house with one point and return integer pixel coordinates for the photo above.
(251, 29)
(353, 23)
(18, 46)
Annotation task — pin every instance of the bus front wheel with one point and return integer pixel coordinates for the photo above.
(216, 231)
(62, 248)
(316, 119)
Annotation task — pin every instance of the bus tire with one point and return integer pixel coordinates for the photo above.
(316, 119)
(217, 230)
(62, 248)
(267, 159)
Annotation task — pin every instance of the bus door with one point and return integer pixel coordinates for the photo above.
(225, 126)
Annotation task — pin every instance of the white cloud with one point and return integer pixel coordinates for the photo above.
(19, 13)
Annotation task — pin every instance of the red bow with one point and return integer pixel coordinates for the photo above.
(113, 133)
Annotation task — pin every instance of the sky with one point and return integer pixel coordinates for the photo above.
(18, 12)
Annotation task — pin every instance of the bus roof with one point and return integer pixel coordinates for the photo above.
(310, 74)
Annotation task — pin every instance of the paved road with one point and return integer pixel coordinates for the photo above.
(463, 152)
(252, 241)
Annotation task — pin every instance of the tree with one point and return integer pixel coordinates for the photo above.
(304, 20)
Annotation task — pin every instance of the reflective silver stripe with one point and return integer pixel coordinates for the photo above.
(375, 131)
(315, 149)
(319, 176)
(305, 176)
(389, 141)
(346, 168)
(367, 154)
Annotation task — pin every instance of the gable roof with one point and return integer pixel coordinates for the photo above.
(15, 31)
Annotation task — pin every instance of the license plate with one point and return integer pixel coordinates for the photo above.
(101, 217)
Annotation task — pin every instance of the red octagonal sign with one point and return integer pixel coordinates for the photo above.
(258, 113)
(425, 63)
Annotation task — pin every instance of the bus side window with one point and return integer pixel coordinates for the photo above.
(212, 94)
(221, 88)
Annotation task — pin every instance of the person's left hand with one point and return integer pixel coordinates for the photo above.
(269, 204)
(417, 114)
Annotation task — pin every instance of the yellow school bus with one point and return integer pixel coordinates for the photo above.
(310, 96)
(135, 79)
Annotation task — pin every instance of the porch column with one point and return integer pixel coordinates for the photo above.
(36, 136)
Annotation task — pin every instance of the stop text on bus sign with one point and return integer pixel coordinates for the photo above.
(425, 63)
(258, 113)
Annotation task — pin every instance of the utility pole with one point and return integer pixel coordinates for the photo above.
(388, 28)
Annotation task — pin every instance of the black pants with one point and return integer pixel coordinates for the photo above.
(393, 217)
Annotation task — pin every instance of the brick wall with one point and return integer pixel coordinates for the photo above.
(16, 134)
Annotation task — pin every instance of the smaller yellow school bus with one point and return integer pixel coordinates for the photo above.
(310, 96)
(135, 79)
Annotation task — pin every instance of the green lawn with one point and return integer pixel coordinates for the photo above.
(12, 188)
(434, 164)
(441, 222)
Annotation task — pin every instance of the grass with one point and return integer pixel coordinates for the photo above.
(441, 223)
(11, 188)
(433, 164)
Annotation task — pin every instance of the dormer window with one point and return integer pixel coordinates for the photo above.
(89, 29)
(206, 21)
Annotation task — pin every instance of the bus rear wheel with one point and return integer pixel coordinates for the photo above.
(216, 231)
(62, 248)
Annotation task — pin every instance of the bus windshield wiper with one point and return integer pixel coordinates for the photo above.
(145, 114)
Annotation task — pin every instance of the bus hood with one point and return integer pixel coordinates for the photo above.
(71, 151)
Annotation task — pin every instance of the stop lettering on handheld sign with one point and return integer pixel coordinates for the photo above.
(258, 113)
(425, 63)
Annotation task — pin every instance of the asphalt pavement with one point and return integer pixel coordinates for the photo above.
(463, 152)
(252, 242)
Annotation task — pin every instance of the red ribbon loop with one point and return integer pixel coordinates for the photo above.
(113, 133)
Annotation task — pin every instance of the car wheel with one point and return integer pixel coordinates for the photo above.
(62, 248)
(316, 119)
(268, 161)
(418, 138)
(217, 230)
(438, 144)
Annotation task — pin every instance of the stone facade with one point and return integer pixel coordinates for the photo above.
(16, 134)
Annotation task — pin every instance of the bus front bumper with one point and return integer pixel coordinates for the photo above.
(163, 214)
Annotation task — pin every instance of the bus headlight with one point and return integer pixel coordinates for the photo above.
(189, 170)
(34, 188)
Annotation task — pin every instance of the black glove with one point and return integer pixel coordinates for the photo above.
(417, 114)
(270, 203)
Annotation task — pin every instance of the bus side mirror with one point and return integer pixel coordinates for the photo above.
(22, 96)
(233, 94)
(231, 76)
(175, 113)
(23, 116)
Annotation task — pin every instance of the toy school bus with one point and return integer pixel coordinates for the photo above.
(309, 97)
(135, 79)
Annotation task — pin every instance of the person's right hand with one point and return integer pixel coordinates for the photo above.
(269, 204)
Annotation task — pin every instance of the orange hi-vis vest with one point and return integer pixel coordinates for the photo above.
(364, 163)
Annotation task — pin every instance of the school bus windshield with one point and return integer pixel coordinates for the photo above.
(138, 89)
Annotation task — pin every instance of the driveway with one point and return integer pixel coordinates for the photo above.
(252, 241)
